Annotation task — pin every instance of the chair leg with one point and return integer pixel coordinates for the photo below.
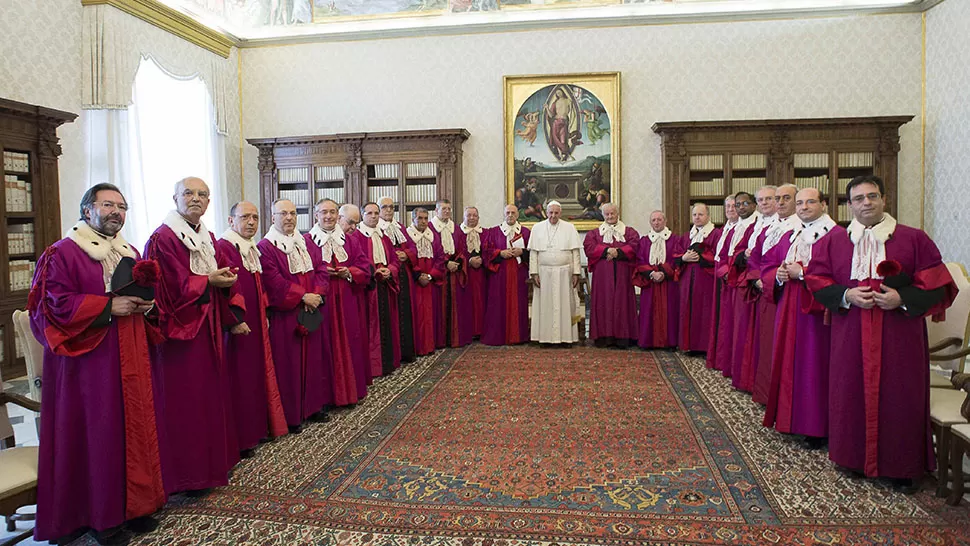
(956, 462)
(11, 524)
(942, 460)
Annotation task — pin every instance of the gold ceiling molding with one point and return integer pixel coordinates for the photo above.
(174, 21)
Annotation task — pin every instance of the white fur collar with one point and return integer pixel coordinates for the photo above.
(247, 250)
(423, 241)
(869, 248)
(330, 242)
(698, 234)
(446, 230)
(393, 231)
(614, 232)
(294, 246)
(202, 255)
(96, 245)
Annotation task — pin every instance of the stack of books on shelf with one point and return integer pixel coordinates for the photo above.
(717, 213)
(329, 173)
(855, 160)
(749, 185)
(294, 175)
(845, 215)
(17, 194)
(748, 161)
(21, 274)
(375, 193)
(16, 162)
(421, 193)
(707, 162)
(335, 194)
(387, 170)
(843, 184)
(303, 222)
(422, 170)
(300, 198)
(20, 239)
(811, 161)
(707, 188)
(821, 182)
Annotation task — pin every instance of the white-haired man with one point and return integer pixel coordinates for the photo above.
(554, 268)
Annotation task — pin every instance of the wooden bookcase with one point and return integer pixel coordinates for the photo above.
(415, 168)
(30, 218)
(706, 161)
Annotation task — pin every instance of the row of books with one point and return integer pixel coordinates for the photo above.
(707, 188)
(845, 214)
(385, 170)
(334, 194)
(375, 193)
(17, 194)
(16, 161)
(855, 159)
(749, 185)
(20, 238)
(300, 198)
(21, 273)
(304, 222)
(748, 161)
(821, 182)
(328, 173)
(421, 193)
(811, 161)
(706, 162)
(843, 184)
(717, 213)
(421, 170)
(293, 175)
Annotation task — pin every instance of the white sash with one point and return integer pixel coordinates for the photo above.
(294, 246)
(423, 241)
(247, 249)
(446, 230)
(658, 246)
(202, 255)
(870, 247)
(330, 242)
(377, 245)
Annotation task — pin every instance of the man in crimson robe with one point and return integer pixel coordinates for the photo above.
(296, 284)
(695, 274)
(721, 299)
(256, 405)
(191, 382)
(99, 464)
(729, 270)
(611, 252)
(504, 250)
(654, 274)
(347, 269)
(452, 302)
(405, 277)
(384, 334)
(475, 286)
(797, 390)
(880, 283)
(427, 260)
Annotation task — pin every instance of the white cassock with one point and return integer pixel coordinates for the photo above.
(554, 256)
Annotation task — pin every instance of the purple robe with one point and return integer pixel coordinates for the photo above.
(96, 468)
(746, 327)
(303, 367)
(452, 302)
(196, 433)
(507, 312)
(879, 420)
(718, 347)
(613, 304)
(425, 316)
(379, 305)
(659, 309)
(734, 331)
(696, 280)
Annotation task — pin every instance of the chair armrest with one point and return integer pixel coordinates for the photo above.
(950, 356)
(22, 401)
(945, 343)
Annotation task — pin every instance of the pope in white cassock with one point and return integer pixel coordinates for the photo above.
(554, 269)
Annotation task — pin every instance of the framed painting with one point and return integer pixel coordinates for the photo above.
(562, 142)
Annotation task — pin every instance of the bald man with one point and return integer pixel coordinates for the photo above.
(198, 443)
(695, 267)
(659, 309)
(507, 312)
(611, 251)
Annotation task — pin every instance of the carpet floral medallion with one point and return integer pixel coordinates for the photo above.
(525, 446)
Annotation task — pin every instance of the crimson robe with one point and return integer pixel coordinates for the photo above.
(659, 309)
(734, 332)
(197, 433)
(613, 304)
(696, 280)
(746, 346)
(507, 313)
(380, 308)
(404, 304)
(452, 299)
(304, 369)
(348, 334)
(476, 289)
(425, 315)
(797, 391)
(879, 420)
(99, 461)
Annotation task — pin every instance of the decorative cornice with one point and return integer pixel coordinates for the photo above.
(173, 21)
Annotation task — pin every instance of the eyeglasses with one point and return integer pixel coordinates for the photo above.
(859, 199)
(111, 205)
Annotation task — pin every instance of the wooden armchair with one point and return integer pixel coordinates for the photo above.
(960, 438)
(952, 332)
(18, 473)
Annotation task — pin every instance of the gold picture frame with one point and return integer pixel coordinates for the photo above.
(562, 142)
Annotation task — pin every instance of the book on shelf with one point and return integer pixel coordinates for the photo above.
(855, 160)
(328, 173)
(304, 222)
(821, 182)
(717, 213)
(293, 175)
(334, 194)
(706, 162)
(375, 193)
(707, 188)
(843, 184)
(17, 194)
(748, 161)
(20, 239)
(811, 161)
(387, 170)
(20, 273)
(421, 170)
(300, 198)
(845, 214)
(748, 184)
(16, 161)
(421, 193)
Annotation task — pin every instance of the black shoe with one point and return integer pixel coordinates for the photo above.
(144, 524)
(247, 453)
(115, 536)
(320, 417)
(296, 429)
(905, 486)
(814, 442)
(197, 493)
(69, 538)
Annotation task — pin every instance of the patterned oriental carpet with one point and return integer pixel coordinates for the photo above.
(526, 446)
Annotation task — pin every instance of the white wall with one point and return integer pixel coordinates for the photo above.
(852, 66)
(948, 127)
